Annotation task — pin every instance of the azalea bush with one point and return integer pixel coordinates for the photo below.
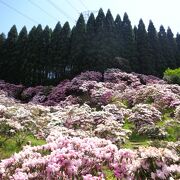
(75, 158)
(144, 114)
(153, 132)
(177, 113)
(86, 122)
(12, 89)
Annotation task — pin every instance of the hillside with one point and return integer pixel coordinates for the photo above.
(95, 126)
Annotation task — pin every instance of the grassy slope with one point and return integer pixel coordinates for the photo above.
(10, 146)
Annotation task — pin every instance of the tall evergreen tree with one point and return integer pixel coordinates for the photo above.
(11, 55)
(119, 36)
(22, 54)
(28, 64)
(135, 32)
(142, 49)
(65, 50)
(54, 52)
(109, 42)
(38, 52)
(129, 50)
(45, 55)
(100, 58)
(90, 45)
(155, 55)
(77, 55)
(162, 36)
(2, 53)
(178, 50)
(171, 49)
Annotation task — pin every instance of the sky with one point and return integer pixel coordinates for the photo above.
(34, 12)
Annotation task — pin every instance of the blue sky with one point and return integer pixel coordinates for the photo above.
(165, 12)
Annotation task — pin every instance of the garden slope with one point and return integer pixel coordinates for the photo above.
(87, 121)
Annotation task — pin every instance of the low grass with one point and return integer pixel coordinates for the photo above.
(108, 174)
(173, 131)
(10, 146)
(128, 125)
(135, 139)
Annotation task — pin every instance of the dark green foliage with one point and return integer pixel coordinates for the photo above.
(45, 57)
(121, 63)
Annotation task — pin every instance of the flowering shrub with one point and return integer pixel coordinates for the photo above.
(85, 120)
(154, 132)
(58, 93)
(12, 89)
(177, 113)
(144, 114)
(161, 96)
(90, 76)
(101, 96)
(67, 157)
(30, 92)
(117, 76)
(149, 79)
(77, 158)
(75, 120)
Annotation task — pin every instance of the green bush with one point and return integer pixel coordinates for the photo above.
(172, 76)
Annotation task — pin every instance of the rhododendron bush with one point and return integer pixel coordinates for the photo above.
(77, 158)
(87, 122)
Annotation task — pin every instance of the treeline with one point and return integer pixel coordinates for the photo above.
(46, 56)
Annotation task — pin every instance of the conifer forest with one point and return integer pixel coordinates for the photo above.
(46, 56)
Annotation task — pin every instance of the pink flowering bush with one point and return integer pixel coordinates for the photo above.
(12, 89)
(90, 76)
(149, 79)
(66, 157)
(161, 96)
(117, 76)
(30, 92)
(85, 158)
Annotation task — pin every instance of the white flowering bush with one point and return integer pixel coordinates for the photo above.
(177, 113)
(83, 121)
(144, 114)
(153, 131)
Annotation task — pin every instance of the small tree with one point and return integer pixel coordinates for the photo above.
(172, 76)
